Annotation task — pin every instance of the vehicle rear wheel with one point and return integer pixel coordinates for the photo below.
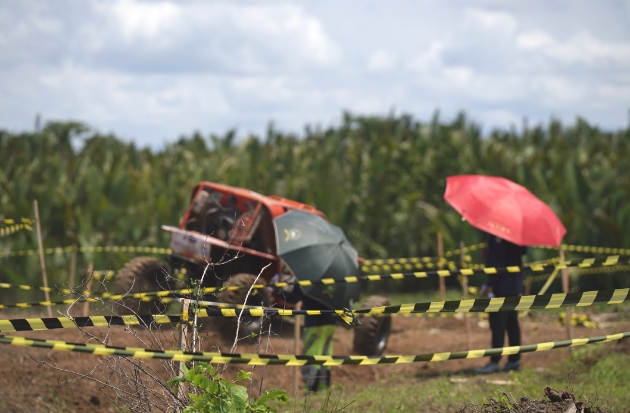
(141, 275)
(258, 297)
(370, 337)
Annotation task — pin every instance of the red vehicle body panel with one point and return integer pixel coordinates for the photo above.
(276, 205)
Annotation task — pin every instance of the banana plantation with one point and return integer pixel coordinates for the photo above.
(380, 178)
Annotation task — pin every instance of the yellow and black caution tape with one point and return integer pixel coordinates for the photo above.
(585, 263)
(29, 288)
(416, 262)
(406, 266)
(589, 249)
(478, 305)
(12, 226)
(297, 360)
(67, 301)
(603, 270)
(108, 275)
(582, 271)
(458, 251)
(70, 248)
(28, 324)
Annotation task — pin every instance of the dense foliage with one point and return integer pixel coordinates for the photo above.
(211, 393)
(380, 178)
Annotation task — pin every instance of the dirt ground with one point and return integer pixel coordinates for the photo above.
(28, 385)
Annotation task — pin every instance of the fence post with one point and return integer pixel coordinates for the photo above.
(465, 291)
(441, 266)
(73, 267)
(41, 256)
(182, 345)
(88, 290)
(567, 310)
(296, 345)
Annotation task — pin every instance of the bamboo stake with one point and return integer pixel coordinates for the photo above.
(88, 289)
(41, 255)
(465, 288)
(296, 346)
(567, 310)
(182, 345)
(73, 267)
(441, 266)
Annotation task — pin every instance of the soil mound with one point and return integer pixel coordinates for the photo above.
(556, 402)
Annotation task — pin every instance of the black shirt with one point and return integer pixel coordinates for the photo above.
(501, 253)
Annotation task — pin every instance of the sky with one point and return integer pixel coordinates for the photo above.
(151, 71)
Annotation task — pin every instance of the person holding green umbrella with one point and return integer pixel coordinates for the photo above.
(311, 249)
(318, 335)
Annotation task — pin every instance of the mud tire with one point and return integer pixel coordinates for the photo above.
(370, 337)
(141, 275)
(261, 296)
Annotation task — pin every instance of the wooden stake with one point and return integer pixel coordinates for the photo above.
(441, 266)
(88, 289)
(567, 310)
(41, 255)
(465, 288)
(182, 345)
(528, 285)
(296, 346)
(73, 267)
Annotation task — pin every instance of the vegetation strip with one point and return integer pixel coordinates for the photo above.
(479, 305)
(295, 360)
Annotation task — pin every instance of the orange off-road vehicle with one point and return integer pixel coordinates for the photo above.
(241, 234)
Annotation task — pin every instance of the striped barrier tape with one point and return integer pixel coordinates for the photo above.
(29, 288)
(419, 260)
(108, 275)
(478, 305)
(162, 300)
(585, 263)
(70, 248)
(410, 263)
(458, 251)
(12, 226)
(588, 249)
(168, 300)
(583, 271)
(605, 270)
(53, 323)
(409, 266)
(295, 360)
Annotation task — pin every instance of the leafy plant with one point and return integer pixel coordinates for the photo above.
(216, 394)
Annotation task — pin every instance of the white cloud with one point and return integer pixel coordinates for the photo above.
(532, 40)
(381, 61)
(498, 21)
(155, 69)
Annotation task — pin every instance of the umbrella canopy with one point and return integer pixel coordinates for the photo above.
(314, 249)
(505, 209)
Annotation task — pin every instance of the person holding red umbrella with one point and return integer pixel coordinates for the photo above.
(500, 253)
(513, 217)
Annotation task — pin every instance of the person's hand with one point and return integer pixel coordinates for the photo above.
(486, 292)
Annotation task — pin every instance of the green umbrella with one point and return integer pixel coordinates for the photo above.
(314, 249)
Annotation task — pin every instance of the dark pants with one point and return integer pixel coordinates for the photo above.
(499, 323)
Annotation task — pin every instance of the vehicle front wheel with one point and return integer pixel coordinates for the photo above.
(257, 297)
(370, 337)
(141, 275)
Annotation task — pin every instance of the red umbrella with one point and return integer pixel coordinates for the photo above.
(505, 209)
